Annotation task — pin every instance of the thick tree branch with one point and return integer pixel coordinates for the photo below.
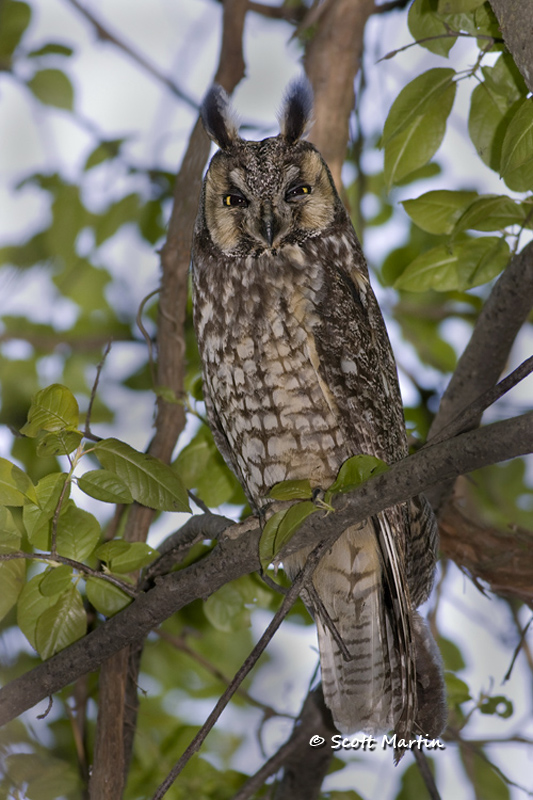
(516, 24)
(486, 354)
(237, 554)
(338, 40)
(503, 559)
(170, 420)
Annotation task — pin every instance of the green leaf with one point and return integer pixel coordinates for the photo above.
(12, 573)
(226, 611)
(499, 705)
(107, 598)
(55, 580)
(267, 542)
(10, 536)
(355, 471)
(53, 409)
(43, 777)
(291, 490)
(37, 518)
(52, 48)
(416, 144)
(493, 103)
(120, 213)
(151, 482)
(424, 335)
(30, 606)
(458, 6)
(420, 97)
(412, 784)
(488, 784)
(59, 444)
(109, 148)
(106, 486)
(52, 87)
(201, 467)
(78, 532)
(457, 691)
(16, 489)
(122, 557)
(505, 79)
(60, 625)
(437, 212)
(490, 213)
(423, 22)
(517, 149)
(465, 265)
(14, 19)
(451, 655)
(281, 527)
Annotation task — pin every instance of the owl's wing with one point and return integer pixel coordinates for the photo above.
(356, 360)
(357, 365)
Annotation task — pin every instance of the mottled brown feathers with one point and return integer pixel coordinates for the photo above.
(299, 376)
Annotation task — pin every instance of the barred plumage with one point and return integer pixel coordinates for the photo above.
(299, 376)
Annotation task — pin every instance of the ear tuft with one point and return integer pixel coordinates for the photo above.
(295, 116)
(220, 121)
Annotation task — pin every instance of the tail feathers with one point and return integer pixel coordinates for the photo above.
(381, 669)
(353, 634)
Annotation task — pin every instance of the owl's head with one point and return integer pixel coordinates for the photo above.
(259, 196)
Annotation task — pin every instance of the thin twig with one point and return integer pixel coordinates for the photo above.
(105, 34)
(269, 768)
(426, 773)
(87, 432)
(328, 622)
(70, 562)
(146, 335)
(451, 34)
(180, 643)
(288, 601)
(55, 518)
(469, 416)
(517, 650)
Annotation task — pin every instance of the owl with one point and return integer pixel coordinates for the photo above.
(299, 376)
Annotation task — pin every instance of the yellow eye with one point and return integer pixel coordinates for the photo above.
(298, 191)
(234, 200)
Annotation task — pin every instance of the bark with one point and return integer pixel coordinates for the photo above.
(119, 675)
(487, 352)
(516, 24)
(237, 554)
(332, 60)
(501, 560)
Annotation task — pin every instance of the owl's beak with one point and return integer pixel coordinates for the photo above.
(269, 225)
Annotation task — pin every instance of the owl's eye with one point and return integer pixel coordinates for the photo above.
(298, 191)
(234, 200)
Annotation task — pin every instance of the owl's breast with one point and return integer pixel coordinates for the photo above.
(261, 372)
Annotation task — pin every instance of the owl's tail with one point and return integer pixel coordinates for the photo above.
(378, 660)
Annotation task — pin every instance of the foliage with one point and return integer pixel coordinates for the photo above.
(65, 564)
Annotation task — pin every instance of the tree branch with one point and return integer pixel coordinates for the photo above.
(237, 554)
(170, 420)
(338, 40)
(103, 33)
(516, 23)
(486, 354)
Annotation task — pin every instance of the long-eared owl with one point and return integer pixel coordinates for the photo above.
(299, 376)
